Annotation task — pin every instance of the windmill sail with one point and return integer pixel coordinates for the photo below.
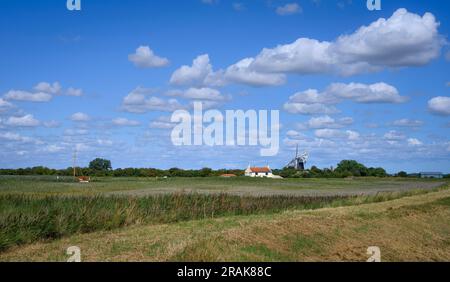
(298, 162)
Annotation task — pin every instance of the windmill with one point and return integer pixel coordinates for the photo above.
(299, 161)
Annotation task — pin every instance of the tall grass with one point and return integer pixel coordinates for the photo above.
(27, 218)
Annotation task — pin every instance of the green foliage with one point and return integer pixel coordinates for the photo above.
(100, 165)
(28, 218)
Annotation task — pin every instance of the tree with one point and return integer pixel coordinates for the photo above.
(100, 165)
(402, 174)
(352, 167)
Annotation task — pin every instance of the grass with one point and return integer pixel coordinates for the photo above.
(41, 209)
(26, 218)
(419, 231)
(49, 185)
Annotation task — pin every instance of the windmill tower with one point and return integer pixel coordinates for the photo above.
(298, 163)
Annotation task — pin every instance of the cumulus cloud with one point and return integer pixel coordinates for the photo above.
(309, 109)
(74, 92)
(312, 101)
(4, 105)
(405, 39)
(163, 122)
(363, 93)
(80, 117)
(440, 105)
(394, 135)
(326, 122)
(241, 72)
(23, 121)
(19, 95)
(144, 57)
(54, 88)
(200, 73)
(204, 93)
(125, 122)
(15, 137)
(140, 101)
(405, 122)
(328, 133)
(289, 9)
(414, 142)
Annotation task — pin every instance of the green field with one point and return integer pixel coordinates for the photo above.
(151, 219)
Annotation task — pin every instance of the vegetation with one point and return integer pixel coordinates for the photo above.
(27, 218)
(102, 167)
(412, 228)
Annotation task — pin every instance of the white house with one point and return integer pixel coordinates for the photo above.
(260, 172)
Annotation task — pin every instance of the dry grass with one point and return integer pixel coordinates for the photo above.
(413, 228)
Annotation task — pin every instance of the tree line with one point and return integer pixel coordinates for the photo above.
(102, 167)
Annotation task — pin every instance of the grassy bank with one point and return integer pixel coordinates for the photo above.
(26, 218)
(412, 228)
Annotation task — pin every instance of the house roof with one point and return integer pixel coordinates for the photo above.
(260, 169)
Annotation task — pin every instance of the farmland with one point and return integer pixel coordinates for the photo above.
(158, 219)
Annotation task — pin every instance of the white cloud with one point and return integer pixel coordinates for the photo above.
(14, 137)
(405, 39)
(51, 124)
(53, 148)
(199, 94)
(145, 58)
(327, 122)
(80, 117)
(54, 88)
(200, 73)
(74, 92)
(139, 101)
(4, 105)
(162, 123)
(243, 73)
(407, 123)
(394, 136)
(414, 142)
(309, 109)
(363, 93)
(24, 121)
(440, 105)
(19, 95)
(105, 142)
(312, 101)
(289, 9)
(125, 122)
(328, 133)
(75, 132)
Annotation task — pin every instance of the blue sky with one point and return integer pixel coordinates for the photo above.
(349, 83)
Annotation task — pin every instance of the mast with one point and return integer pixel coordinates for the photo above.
(74, 163)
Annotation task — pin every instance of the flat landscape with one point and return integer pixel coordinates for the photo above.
(216, 219)
(140, 186)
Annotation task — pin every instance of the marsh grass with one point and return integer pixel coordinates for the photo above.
(26, 218)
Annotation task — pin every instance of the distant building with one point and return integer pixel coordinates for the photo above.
(260, 172)
(431, 175)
